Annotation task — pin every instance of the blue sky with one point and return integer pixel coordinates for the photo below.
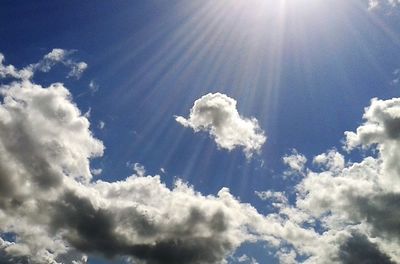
(301, 72)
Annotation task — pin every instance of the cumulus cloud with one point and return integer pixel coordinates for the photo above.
(296, 163)
(217, 114)
(348, 212)
(344, 212)
(359, 249)
(58, 214)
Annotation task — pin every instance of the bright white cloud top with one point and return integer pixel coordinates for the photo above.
(217, 114)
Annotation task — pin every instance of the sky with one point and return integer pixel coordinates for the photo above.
(200, 132)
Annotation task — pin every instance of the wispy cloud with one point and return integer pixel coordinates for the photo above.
(44, 65)
(383, 4)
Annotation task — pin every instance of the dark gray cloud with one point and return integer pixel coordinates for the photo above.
(358, 249)
(382, 211)
(10, 259)
(94, 230)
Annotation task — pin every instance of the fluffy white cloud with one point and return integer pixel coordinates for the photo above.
(59, 215)
(295, 162)
(349, 212)
(343, 212)
(217, 114)
(331, 160)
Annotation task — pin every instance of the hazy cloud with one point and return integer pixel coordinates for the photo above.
(44, 65)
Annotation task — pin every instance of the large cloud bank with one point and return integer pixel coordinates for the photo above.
(52, 211)
(217, 114)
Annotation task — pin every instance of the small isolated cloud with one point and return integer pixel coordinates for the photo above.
(101, 125)
(139, 169)
(295, 162)
(396, 77)
(93, 87)
(244, 259)
(96, 171)
(217, 114)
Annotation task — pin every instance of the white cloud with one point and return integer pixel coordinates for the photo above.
(246, 259)
(331, 160)
(44, 65)
(295, 162)
(348, 212)
(396, 77)
(101, 125)
(277, 199)
(59, 215)
(96, 172)
(287, 256)
(217, 114)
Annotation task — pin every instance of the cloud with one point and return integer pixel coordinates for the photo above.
(93, 87)
(348, 212)
(246, 259)
(44, 65)
(358, 249)
(332, 160)
(286, 256)
(295, 162)
(383, 5)
(277, 199)
(101, 125)
(344, 211)
(217, 114)
(58, 214)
